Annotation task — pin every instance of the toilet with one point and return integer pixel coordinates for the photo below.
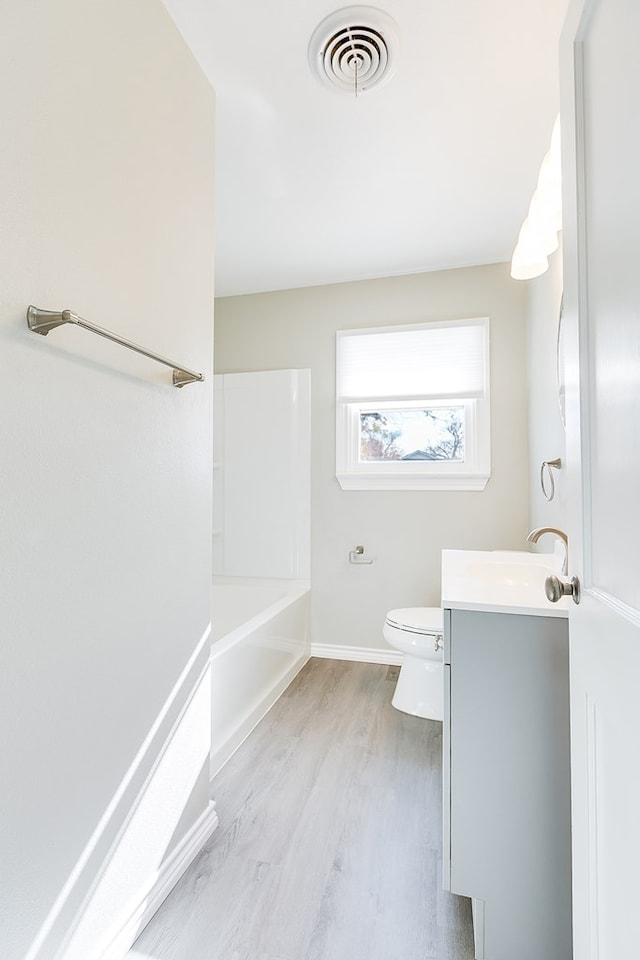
(417, 632)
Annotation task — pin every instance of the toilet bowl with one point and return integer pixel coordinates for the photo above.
(417, 632)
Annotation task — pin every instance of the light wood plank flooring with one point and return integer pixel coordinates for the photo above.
(329, 845)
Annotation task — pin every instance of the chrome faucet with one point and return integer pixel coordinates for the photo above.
(535, 535)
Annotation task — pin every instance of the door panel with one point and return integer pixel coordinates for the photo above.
(609, 107)
(601, 199)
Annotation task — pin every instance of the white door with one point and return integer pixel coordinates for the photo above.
(601, 178)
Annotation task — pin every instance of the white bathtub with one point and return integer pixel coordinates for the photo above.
(260, 642)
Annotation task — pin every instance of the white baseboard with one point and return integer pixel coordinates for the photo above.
(168, 875)
(332, 651)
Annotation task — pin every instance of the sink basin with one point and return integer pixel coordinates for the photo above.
(511, 581)
(514, 572)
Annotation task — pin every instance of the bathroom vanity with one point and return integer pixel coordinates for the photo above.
(506, 771)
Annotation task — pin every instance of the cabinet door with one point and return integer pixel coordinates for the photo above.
(509, 799)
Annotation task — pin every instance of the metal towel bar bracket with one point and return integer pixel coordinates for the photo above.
(43, 321)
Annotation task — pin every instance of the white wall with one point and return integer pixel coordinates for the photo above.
(404, 531)
(105, 469)
(546, 432)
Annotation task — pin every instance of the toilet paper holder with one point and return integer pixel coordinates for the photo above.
(357, 555)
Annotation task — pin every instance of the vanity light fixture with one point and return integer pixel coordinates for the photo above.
(538, 236)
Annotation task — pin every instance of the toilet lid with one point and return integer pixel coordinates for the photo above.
(417, 619)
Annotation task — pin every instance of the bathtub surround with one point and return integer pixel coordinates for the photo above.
(105, 473)
(261, 479)
(261, 521)
(403, 532)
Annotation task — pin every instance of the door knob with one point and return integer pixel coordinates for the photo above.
(555, 588)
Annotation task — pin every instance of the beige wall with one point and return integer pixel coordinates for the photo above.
(404, 531)
(105, 470)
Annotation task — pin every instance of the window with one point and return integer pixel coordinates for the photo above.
(413, 407)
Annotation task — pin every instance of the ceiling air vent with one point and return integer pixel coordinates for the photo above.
(354, 49)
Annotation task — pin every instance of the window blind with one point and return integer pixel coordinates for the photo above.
(430, 360)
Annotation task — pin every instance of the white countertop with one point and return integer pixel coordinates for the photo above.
(500, 581)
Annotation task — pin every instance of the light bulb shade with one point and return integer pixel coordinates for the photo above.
(538, 236)
(524, 269)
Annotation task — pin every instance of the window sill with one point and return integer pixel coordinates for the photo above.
(364, 481)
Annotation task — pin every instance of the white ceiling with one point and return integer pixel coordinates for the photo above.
(434, 169)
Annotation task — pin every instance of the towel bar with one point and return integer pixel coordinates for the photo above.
(42, 321)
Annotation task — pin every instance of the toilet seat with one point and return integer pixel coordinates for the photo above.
(417, 632)
(423, 621)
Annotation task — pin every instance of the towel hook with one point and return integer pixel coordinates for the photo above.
(546, 477)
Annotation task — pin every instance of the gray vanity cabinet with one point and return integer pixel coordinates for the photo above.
(506, 780)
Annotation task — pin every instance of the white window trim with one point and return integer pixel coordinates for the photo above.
(470, 475)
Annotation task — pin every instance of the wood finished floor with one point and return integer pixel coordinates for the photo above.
(329, 844)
